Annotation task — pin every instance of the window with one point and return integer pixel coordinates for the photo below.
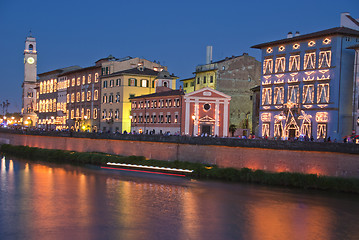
(204, 79)
(68, 98)
(88, 113)
(78, 97)
(206, 107)
(322, 130)
(73, 82)
(72, 97)
(325, 58)
(132, 82)
(308, 94)
(192, 84)
(118, 82)
(294, 63)
(82, 96)
(89, 79)
(118, 97)
(48, 86)
(83, 80)
(265, 130)
(96, 77)
(168, 118)
(266, 96)
(117, 114)
(198, 80)
(55, 85)
(211, 79)
(41, 88)
(95, 96)
(95, 113)
(72, 114)
(104, 114)
(78, 81)
(323, 93)
(267, 66)
(88, 96)
(82, 112)
(110, 98)
(132, 95)
(153, 84)
(309, 61)
(112, 83)
(185, 85)
(144, 83)
(176, 118)
(278, 95)
(104, 84)
(104, 98)
(280, 64)
(293, 94)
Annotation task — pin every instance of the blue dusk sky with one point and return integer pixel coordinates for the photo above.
(175, 33)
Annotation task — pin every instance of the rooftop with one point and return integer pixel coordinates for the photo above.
(332, 31)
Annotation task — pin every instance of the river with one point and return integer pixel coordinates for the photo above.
(52, 201)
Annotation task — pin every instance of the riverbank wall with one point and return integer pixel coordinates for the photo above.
(310, 161)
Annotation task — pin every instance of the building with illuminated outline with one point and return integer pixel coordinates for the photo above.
(307, 83)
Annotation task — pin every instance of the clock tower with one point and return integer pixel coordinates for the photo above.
(29, 84)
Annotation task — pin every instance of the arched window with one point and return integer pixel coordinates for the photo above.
(165, 84)
(31, 47)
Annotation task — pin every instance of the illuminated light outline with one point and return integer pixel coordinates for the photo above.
(307, 106)
(266, 117)
(323, 78)
(278, 107)
(268, 64)
(279, 75)
(266, 107)
(134, 170)
(323, 89)
(321, 130)
(309, 73)
(279, 91)
(266, 82)
(322, 105)
(306, 125)
(327, 41)
(279, 81)
(308, 79)
(293, 91)
(266, 95)
(321, 117)
(265, 129)
(325, 57)
(309, 60)
(308, 89)
(324, 71)
(279, 63)
(294, 61)
(311, 43)
(281, 48)
(296, 46)
(269, 50)
(266, 77)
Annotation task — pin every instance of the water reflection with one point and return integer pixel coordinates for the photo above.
(65, 202)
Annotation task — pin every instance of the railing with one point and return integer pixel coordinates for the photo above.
(216, 141)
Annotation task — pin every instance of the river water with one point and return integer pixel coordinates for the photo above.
(49, 201)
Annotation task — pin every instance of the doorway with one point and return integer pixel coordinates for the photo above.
(206, 129)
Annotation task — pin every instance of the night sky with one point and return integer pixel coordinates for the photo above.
(175, 33)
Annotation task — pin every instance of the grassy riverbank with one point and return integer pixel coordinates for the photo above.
(201, 171)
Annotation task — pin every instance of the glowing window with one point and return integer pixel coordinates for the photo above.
(95, 113)
(266, 96)
(293, 94)
(72, 114)
(88, 113)
(73, 82)
(325, 58)
(55, 85)
(296, 46)
(68, 98)
(41, 88)
(309, 60)
(72, 97)
(96, 77)
(54, 105)
(269, 50)
(82, 96)
(308, 94)
(265, 130)
(278, 95)
(78, 81)
(88, 96)
(89, 79)
(321, 130)
(280, 64)
(281, 48)
(78, 97)
(323, 93)
(267, 66)
(294, 63)
(83, 80)
(95, 96)
(144, 83)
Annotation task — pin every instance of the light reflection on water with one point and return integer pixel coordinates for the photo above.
(47, 201)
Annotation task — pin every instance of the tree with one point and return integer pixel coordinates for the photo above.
(232, 129)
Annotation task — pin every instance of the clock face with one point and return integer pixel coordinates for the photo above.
(30, 60)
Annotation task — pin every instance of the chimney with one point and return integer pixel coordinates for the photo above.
(296, 34)
(209, 55)
(290, 35)
(344, 19)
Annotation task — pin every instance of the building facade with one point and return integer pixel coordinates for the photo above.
(118, 87)
(157, 113)
(29, 99)
(307, 85)
(355, 122)
(234, 76)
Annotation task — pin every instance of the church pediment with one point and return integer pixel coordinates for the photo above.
(206, 119)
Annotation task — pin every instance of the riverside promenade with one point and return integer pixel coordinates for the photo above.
(330, 159)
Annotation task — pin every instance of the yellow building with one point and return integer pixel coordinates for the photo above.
(118, 87)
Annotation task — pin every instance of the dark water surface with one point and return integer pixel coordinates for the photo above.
(48, 201)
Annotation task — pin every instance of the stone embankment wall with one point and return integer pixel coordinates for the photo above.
(276, 160)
